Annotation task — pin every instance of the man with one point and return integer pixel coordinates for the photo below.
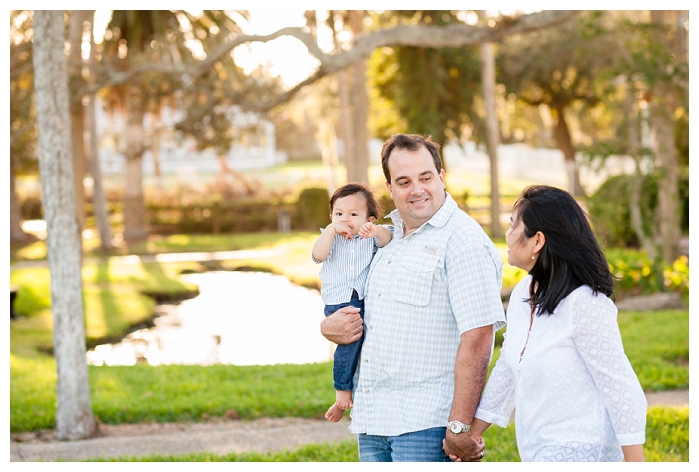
(432, 306)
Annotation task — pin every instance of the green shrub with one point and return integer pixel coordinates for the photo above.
(387, 206)
(609, 208)
(232, 217)
(312, 210)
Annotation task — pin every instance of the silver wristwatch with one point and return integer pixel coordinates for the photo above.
(457, 427)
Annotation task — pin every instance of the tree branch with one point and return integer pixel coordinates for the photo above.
(426, 36)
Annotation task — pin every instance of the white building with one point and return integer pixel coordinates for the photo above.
(253, 147)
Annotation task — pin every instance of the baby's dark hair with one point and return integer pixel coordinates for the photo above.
(372, 206)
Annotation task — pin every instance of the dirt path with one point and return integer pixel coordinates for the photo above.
(218, 436)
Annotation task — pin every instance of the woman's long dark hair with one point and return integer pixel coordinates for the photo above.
(571, 256)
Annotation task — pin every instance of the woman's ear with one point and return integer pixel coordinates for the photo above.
(539, 241)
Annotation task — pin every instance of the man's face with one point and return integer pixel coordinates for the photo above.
(416, 187)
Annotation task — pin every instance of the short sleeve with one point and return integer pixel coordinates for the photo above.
(474, 277)
(390, 228)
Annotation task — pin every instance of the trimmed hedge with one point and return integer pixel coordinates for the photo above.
(308, 213)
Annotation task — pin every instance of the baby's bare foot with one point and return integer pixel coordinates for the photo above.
(334, 413)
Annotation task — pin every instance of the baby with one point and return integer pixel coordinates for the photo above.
(347, 246)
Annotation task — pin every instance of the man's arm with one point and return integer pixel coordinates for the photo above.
(470, 371)
(343, 327)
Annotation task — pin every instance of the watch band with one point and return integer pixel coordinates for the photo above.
(457, 427)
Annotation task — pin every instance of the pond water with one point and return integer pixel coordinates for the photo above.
(240, 318)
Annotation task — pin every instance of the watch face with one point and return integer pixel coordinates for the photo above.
(455, 428)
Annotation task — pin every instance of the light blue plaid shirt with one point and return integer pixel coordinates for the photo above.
(423, 291)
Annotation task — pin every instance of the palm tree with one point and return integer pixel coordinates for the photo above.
(136, 37)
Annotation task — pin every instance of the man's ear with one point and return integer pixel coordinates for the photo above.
(388, 186)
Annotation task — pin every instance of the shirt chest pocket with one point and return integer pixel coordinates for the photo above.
(413, 278)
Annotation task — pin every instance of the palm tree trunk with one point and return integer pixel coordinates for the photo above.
(663, 105)
(74, 418)
(99, 200)
(358, 163)
(565, 144)
(134, 205)
(346, 131)
(668, 212)
(492, 134)
(155, 148)
(77, 111)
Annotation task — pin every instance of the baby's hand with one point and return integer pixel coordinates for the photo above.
(343, 230)
(368, 230)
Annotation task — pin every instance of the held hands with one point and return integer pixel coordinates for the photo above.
(464, 447)
(368, 230)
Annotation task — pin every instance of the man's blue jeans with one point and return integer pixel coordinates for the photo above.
(417, 446)
(346, 355)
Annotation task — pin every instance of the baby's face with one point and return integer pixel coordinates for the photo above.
(352, 211)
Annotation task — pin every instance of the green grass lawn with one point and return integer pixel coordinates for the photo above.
(188, 393)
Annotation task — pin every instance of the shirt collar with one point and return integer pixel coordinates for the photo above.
(438, 220)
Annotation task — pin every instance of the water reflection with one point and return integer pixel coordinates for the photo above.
(241, 318)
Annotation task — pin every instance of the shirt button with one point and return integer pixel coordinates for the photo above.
(378, 295)
(389, 262)
(371, 328)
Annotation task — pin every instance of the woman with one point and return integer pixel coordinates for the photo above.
(562, 365)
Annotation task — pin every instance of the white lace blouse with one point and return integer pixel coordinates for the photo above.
(576, 395)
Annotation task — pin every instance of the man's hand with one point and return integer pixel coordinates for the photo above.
(464, 447)
(344, 326)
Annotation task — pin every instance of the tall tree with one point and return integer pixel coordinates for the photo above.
(138, 37)
(492, 130)
(358, 164)
(78, 19)
(74, 418)
(559, 72)
(647, 114)
(22, 115)
(336, 21)
(433, 88)
(666, 98)
(99, 200)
